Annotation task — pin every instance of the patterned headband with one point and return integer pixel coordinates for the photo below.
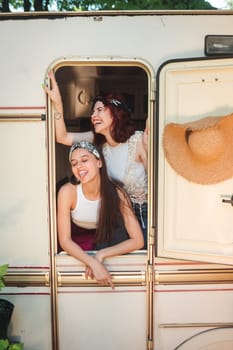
(85, 145)
(113, 101)
(119, 104)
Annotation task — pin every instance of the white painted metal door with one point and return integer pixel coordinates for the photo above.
(193, 221)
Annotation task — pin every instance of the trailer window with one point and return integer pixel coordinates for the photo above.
(79, 84)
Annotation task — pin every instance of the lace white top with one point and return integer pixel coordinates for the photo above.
(122, 166)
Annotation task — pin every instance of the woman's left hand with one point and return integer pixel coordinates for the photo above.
(89, 273)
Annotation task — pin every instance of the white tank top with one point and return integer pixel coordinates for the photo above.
(86, 212)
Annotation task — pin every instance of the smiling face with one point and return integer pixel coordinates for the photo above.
(85, 166)
(101, 118)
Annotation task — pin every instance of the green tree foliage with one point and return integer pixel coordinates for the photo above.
(88, 5)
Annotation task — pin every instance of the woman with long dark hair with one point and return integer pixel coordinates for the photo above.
(99, 209)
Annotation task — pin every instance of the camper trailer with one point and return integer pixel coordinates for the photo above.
(175, 67)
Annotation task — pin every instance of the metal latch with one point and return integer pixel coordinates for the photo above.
(230, 200)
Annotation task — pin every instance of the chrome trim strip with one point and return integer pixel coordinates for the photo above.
(151, 210)
(194, 277)
(21, 117)
(72, 279)
(106, 13)
(199, 324)
(27, 279)
(128, 278)
(52, 221)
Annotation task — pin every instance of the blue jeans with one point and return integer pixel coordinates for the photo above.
(141, 211)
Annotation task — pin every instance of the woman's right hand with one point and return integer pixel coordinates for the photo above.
(98, 271)
(54, 92)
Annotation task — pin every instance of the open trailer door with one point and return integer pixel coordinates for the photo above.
(195, 196)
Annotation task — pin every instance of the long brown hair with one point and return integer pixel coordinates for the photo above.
(110, 216)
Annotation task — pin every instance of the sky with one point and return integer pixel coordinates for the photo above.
(218, 3)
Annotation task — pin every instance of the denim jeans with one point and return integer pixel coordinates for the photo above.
(141, 211)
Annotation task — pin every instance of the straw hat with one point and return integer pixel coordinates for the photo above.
(201, 151)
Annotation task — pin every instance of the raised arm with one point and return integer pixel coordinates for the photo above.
(66, 202)
(62, 135)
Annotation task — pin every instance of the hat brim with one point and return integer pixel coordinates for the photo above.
(182, 160)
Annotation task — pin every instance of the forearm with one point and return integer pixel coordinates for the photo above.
(124, 247)
(73, 249)
(68, 138)
(62, 136)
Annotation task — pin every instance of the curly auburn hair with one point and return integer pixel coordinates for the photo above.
(122, 124)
